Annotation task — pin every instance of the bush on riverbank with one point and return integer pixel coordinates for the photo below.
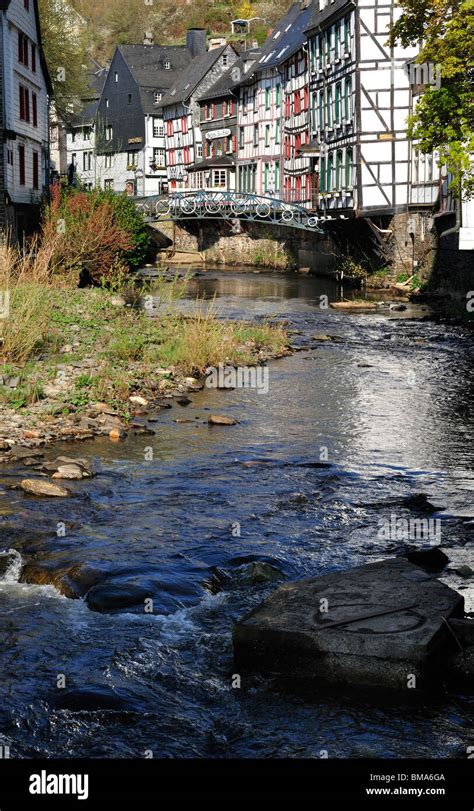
(97, 233)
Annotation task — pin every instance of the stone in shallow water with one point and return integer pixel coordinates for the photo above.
(38, 487)
(220, 419)
(109, 596)
(299, 630)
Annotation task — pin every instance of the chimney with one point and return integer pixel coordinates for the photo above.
(148, 38)
(196, 41)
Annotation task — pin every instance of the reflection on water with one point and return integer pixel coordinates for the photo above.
(390, 405)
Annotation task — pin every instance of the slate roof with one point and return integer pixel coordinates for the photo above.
(230, 79)
(286, 38)
(190, 78)
(96, 76)
(146, 63)
(319, 16)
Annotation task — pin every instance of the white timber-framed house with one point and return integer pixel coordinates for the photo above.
(25, 91)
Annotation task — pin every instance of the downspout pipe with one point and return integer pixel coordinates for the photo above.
(457, 225)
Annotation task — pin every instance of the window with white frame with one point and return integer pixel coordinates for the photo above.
(157, 96)
(219, 178)
(159, 159)
(109, 160)
(158, 127)
(132, 158)
(108, 185)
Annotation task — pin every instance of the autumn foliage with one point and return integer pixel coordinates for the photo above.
(95, 234)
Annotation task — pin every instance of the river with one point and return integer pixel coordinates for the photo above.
(389, 407)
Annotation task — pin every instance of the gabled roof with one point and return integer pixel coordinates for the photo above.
(190, 78)
(287, 37)
(321, 14)
(96, 76)
(231, 79)
(146, 63)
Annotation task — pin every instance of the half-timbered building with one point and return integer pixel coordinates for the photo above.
(272, 117)
(25, 88)
(182, 112)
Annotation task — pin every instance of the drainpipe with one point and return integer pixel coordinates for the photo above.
(457, 225)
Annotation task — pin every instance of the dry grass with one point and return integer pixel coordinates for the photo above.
(24, 277)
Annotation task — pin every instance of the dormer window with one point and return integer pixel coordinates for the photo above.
(116, 77)
(157, 96)
(167, 64)
(109, 132)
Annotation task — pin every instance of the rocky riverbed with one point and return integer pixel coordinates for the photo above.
(131, 585)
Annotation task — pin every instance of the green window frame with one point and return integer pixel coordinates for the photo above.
(338, 180)
(329, 110)
(338, 104)
(277, 131)
(329, 173)
(321, 110)
(348, 99)
(322, 174)
(267, 98)
(266, 176)
(347, 33)
(278, 95)
(277, 175)
(348, 169)
(267, 134)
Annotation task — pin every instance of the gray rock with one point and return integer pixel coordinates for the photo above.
(11, 381)
(464, 571)
(69, 472)
(432, 559)
(368, 627)
(110, 596)
(90, 698)
(259, 572)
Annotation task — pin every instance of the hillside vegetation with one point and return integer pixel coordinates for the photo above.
(112, 22)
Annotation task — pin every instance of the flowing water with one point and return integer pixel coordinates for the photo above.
(390, 406)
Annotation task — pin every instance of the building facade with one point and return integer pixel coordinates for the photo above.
(182, 111)
(24, 118)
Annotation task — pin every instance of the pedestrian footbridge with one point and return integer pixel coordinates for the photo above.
(230, 206)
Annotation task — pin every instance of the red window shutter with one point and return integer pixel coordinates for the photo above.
(305, 98)
(33, 57)
(35, 170)
(22, 104)
(27, 104)
(232, 107)
(213, 111)
(34, 103)
(234, 143)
